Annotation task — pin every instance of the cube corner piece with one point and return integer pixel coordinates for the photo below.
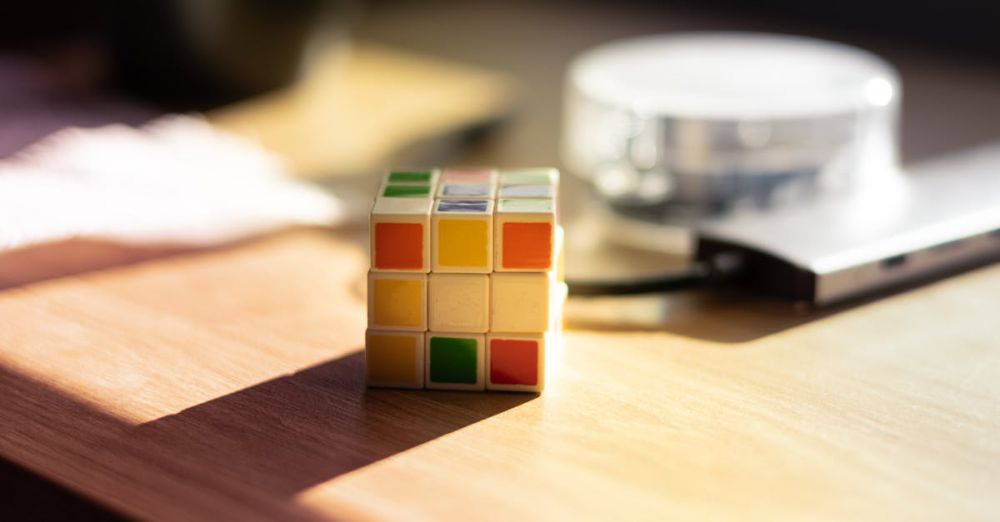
(525, 235)
(516, 362)
(400, 235)
(394, 359)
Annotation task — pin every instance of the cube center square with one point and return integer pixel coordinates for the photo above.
(462, 236)
(455, 361)
(459, 302)
(394, 359)
(397, 301)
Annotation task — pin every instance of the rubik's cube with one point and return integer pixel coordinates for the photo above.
(465, 290)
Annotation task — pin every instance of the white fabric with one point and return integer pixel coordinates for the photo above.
(177, 180)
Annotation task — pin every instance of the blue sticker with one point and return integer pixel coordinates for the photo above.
(462, 205)
(466, 190)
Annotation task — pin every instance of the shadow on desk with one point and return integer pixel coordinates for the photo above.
(255, 447)
(288, 434)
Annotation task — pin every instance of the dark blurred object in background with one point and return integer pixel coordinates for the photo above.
(971, 26)
(192, 54)
(202, 53)
(186, 54)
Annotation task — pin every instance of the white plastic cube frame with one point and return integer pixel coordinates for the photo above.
(373, 297)
(452, 210)
(521, 302)
(544, 339)
(480, 383)
(533, 210)
(402, 210)
(458, 302)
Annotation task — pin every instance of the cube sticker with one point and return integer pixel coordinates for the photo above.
(394, 359)
(406, 191)
(399, 246)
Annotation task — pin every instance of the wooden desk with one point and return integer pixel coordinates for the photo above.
(229, 384)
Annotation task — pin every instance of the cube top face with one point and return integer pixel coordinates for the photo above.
(394, 359)
(469, 175)
(519, 302)
(538, 176)
(397, 301)
(515, 362)
(458, 302)
(527, 191)
(455, 361)
(406, 191)
(417, 176)
(466, 191)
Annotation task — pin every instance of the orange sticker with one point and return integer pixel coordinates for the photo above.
(527, 245)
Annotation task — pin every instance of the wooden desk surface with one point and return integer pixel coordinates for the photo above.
(229, 383)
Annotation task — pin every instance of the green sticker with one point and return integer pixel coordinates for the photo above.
(421, 176)
(532, 205)
(407, 191)
(526, 177)
(453, 360)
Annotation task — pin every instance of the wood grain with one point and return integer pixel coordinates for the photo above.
(229, 384)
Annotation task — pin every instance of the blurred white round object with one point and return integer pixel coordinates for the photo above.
(674, 128)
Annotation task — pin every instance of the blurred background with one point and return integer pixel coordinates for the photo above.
(347, 88)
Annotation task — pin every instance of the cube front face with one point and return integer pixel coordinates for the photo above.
(462, 236)
(397, 301)
(519, 302)
(459, 302)
(394, 359)
(455, 361)
(515, 362)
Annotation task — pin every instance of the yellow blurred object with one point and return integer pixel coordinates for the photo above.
(359, 105)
